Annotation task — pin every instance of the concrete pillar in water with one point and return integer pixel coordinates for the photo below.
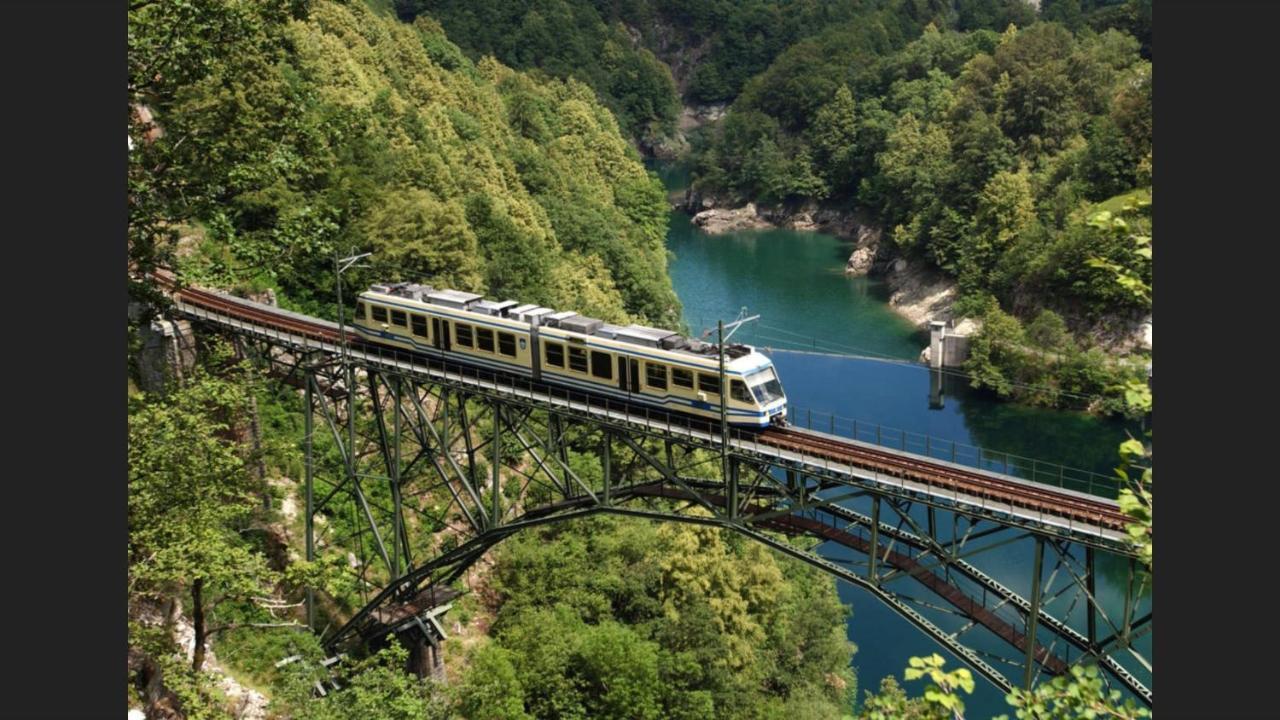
(937, 331)
(948, 347)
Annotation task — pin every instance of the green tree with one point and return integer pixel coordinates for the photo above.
(1131, 273)
(618, 672)
(1048, 331)
(1136, 498)
(376, 687)
(995, 355)
(415, 235)
(190, 496)
(834, 138)
(892, 703)
(1110, 163)
(942, 690)
(1006, 209)
(915, 165)
(490, 689)
(1080, 694)
(750, 637)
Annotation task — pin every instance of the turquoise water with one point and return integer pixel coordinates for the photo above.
(841, 351)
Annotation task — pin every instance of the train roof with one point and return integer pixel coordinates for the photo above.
(566, 320)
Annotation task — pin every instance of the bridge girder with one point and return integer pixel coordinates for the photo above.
(406, 468)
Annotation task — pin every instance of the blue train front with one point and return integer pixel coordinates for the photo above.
(641, 365)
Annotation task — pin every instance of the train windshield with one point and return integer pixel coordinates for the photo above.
(765, 386)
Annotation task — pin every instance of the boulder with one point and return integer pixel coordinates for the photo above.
(860, 261)
(866, 253)
(723, 220)
(803, 221)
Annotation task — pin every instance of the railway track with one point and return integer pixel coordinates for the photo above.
(1022, 494)
(1032, 496)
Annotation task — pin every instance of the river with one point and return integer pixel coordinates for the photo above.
(841, 351)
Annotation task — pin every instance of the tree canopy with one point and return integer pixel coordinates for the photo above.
(295, 130)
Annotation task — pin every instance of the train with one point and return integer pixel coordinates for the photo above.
(634, 363)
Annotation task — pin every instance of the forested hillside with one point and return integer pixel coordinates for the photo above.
(565, 38)
(985, 155)
(981, 135)
(619, 618)
(294, 130)
(268, 136)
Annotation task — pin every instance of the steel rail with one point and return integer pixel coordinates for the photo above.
(1038, 497)
(1034, 496)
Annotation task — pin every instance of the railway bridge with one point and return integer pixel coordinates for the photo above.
(424, 465)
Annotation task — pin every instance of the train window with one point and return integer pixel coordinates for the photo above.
(507, 344)
(360, 311)
(681, 378)
(398, 318)
(484, 339)
(577, 359)
(655, 375)
(738, 391)
(462, 333)
(419, 325)
(600, 365)
(555, 354)
(709, 383)
(379, 314)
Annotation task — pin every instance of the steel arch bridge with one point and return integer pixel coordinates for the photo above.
(437, 462)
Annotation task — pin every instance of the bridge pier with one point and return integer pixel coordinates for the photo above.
(426, 656)
(946, 349)
(168, 354)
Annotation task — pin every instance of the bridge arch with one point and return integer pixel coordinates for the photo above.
(414, 443)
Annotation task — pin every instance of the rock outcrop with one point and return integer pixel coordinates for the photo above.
(868, 253)
(715, 215)
(920, 294)
(860, 261)
(720, 220)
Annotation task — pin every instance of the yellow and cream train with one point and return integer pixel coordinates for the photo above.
(636, 364)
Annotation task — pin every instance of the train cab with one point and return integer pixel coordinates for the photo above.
(755, 391)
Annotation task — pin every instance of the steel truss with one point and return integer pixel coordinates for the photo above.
(423, 474)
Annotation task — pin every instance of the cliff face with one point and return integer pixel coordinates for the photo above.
(682, 57)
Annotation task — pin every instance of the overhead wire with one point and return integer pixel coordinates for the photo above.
(836, 349)
(830, 348)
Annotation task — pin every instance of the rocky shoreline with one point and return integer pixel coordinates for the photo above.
(919, 294)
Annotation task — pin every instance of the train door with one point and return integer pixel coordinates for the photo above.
(440, 333)
(628, 375)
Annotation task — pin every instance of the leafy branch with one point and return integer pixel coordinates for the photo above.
(1068, 697)
(942, 692)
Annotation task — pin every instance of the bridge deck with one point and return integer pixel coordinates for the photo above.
(976, 492)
